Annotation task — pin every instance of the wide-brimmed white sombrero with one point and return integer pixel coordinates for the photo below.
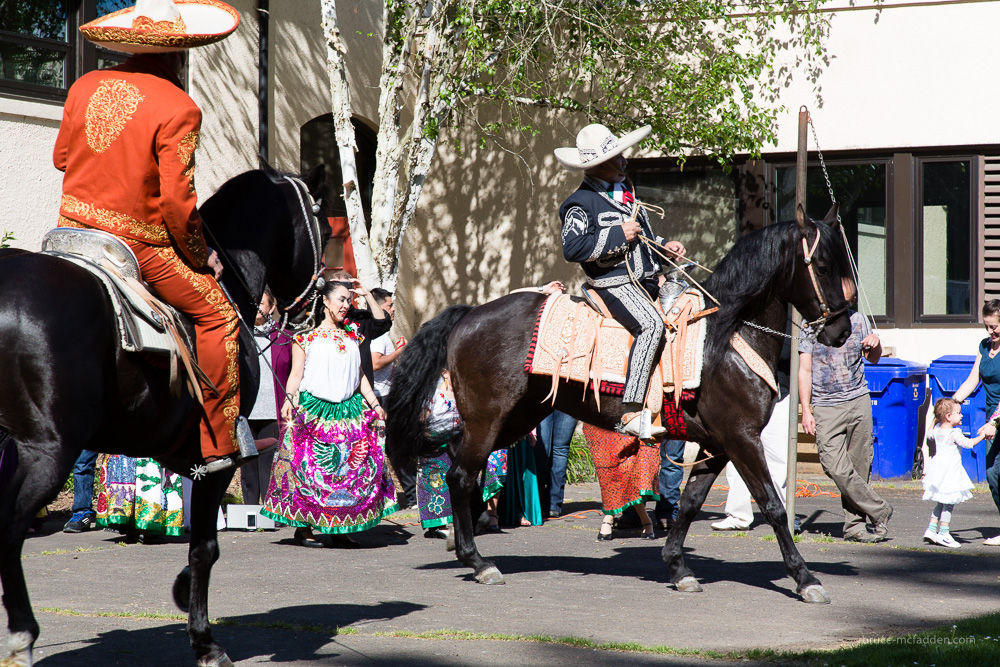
(155, 26)
(596, 144)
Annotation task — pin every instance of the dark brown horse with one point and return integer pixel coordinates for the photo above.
(66, 384)
(484, 349)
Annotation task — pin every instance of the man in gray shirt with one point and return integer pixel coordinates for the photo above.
(837, 409)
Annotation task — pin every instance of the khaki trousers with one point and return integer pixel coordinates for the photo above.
(844, 442)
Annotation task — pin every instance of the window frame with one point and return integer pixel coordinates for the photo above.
(890, 227)
(975, 262)
(81, 56)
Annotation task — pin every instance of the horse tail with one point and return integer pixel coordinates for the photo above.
(414, 379)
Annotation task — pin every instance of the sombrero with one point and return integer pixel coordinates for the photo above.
(154, 26)
(596, 144)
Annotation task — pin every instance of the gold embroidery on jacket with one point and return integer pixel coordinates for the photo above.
(185, 151)
(109, 109)
(113, 221)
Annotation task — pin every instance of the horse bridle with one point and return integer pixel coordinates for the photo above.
(826, 314)
(310, 212)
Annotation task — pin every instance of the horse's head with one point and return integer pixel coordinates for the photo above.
(299, 250)
(822, 282)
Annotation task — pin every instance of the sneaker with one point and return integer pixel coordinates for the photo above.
(946, 540)
(862, 536)
(730, 523)
(930, 537)
(993, 541)
(881, 527)
(80, 522)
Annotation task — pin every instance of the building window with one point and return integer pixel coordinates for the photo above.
(946, 270)
(41, 50)
(701, 206)
(862, 191)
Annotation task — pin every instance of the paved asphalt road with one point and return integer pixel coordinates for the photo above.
(281, 603)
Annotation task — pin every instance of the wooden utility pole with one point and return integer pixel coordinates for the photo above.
(801, 167)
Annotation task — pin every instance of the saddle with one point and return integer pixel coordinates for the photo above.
(574, 341)
(145, 323)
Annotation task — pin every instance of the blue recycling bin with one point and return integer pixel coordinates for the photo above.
(945, 375)
(897, 388)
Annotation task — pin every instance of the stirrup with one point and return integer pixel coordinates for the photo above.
(640, 424)
(248, 452)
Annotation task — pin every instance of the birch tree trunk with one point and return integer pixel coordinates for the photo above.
(340, 95)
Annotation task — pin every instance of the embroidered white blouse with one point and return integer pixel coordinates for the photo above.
(333, 364)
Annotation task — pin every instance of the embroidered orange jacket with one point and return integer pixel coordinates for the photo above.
(127, 143)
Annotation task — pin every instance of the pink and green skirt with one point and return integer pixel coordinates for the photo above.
(329, 473)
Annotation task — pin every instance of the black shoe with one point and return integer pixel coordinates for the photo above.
(80, 522)
(230, 461)
(304, 539)
(435, 534)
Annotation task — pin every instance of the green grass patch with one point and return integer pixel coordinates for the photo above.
(580, 466)
(970, 642)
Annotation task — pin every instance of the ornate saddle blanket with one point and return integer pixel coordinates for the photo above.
(145, 323)
(573, 342)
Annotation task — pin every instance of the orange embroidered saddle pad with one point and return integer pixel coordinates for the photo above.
(576, 343)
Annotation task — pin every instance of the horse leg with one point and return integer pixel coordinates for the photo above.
(463, 481)
(750, 463)
(206, 496)
(37, 479)
(699, 483)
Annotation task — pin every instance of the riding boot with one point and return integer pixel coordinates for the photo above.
(246, 453)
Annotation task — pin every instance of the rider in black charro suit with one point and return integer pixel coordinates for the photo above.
(599, 232)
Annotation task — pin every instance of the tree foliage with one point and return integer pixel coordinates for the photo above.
(706, 74)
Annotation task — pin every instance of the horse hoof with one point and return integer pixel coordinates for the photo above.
(224, 661)
(19, 644)
(449, 543)
(815, 593)
(689, 585)
(490, 576)
(182, 590)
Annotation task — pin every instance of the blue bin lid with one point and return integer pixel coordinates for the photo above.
(888, 369)
(955, 360)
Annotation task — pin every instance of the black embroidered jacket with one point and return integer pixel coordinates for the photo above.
(592, 235)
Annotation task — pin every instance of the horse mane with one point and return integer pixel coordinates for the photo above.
(745, 281)
(414, 379)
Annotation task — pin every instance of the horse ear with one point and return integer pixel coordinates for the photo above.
(800, 216)
(831, 215)
(316, 178)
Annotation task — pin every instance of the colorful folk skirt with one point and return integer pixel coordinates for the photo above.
(433, 497)
(139, 494)
(521, 497)
(329, 473)
(627, 470)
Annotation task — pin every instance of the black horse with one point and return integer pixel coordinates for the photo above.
(484, 349)
(68, 386)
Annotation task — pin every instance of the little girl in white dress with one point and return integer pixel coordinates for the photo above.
(945, 479)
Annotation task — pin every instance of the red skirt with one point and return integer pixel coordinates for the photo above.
(627, 470)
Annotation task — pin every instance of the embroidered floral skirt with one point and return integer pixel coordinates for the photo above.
(433, 497)
(627, 470)
(329, 473)
(139, 493)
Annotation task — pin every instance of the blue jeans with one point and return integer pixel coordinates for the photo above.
(83, 481)
(554, 435)
(670, 479)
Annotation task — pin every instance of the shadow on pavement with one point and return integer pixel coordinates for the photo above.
(271, 635)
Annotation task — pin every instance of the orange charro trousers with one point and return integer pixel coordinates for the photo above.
(216, 328)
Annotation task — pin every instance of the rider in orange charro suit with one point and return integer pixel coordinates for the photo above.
(126, 145)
